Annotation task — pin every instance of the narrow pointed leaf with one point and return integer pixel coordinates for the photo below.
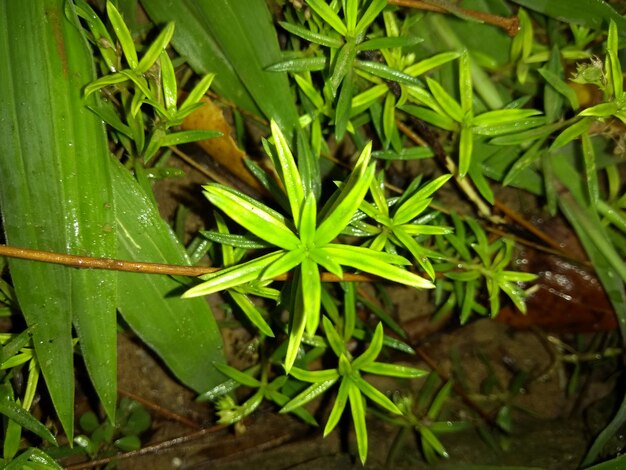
(328, 15)
(123, 35)
(340, 404)
(256, 217)
(465, 84)
(393, 370)
(310, 91)
(386, 73)
(299, 64)
(418, 253)
(308, 394)
(185, 137)
(238, 376)
(358, 417)
(373, 262)
(286, 262)
(156, 49)
(99, 32)
(14, 411)
(289, 172)
(298, 323)
(342, 65)
(590, 169)
(370, 15)
(328, 263)
(197, 93)
(343, 110)
(432, 117)
(409, 209)
(348, 202)
(501, 116)
(447, 103)
(351, 9)
(560, 86)
(466, 146)
(233, 276)
(316, 38)
(334, 340)
(252, 312)
(314, 375)
(311, 294)
(572, 132)
(170, 87)
(308, 221)
(426, 65)
(375, 395)
(373, 350)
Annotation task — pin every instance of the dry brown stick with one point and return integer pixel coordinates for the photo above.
(464, 183)
(522, 222)
(510, 25)
(196, 166)
(151, 449)
(160, 410)
(111, 264)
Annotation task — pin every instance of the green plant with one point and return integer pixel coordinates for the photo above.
(304, 242)
(17, 354)
(85, 205)
(369, 75)
(420, 413)
(103, 439)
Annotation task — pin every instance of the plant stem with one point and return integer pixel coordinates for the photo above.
(161, 446)
(111, 264)
(510, 25)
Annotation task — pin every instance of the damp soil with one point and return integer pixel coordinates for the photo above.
(551, 426)
(550, 429)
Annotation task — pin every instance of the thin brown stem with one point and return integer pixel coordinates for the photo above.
(111, 264)
(522, 222)
(196, 166)
(510, 25)
(464, 183)
(160, 410)
(151, 449)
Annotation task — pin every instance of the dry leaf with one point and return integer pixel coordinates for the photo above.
(223, 150)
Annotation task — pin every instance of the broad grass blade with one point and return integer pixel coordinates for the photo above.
(55, 195)
(182, 332)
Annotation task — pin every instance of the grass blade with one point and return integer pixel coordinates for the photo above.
(56, 195)
(151, 304)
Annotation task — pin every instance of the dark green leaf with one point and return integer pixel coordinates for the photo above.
(304, 64)
(388, 42)
(11, 409)
(184, 137)
(55, 198)
(317, 38)
(162, 320)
